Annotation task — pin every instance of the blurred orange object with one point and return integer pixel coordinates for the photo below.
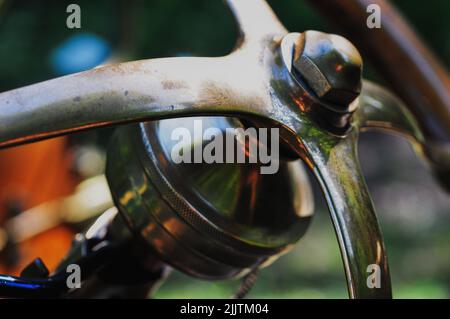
(30, 175)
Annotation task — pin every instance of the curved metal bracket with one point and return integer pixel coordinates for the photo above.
(113, 94)
(255, 19)
(251, 81)
(336, 167)
(146, 89)
(381, 110)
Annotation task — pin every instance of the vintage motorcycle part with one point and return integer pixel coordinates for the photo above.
(106, 249)
(212, 221)
(330, 65)
(254, 82)
(426, 89)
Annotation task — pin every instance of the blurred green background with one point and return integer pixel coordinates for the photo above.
(413, 211)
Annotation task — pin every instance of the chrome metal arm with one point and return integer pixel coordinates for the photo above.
(380, 109)
(113, 94)
(250, 81)
(336, 167)
(144, 90)
(255, 19)
(255, 80)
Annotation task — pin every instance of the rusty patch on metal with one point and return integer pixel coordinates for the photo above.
(173, 85)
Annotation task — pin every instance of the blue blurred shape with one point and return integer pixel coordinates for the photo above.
(78, 53)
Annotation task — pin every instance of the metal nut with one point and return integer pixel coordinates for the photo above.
(330, 65)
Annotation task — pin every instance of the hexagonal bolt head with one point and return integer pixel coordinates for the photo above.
(330, 65)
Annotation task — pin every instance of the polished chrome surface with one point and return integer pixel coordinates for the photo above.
(383, 110)
(254, 82)
(219, 220)
(148, 89)
(398, 53)
(330, 64)
(335, 164)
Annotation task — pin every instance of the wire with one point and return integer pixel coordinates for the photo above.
(247, 284)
